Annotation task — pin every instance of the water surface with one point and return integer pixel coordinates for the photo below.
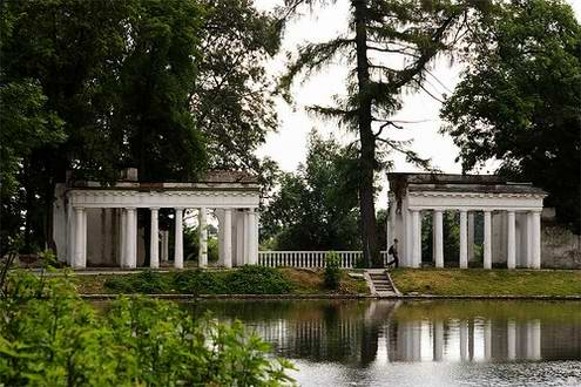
(418, 343)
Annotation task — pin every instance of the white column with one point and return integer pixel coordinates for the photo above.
(511, 242)
(122, 237)
(164, 245)
(131, 239)
(84, 243)
(487, 239)
(203, 235)
(179, 239)
(247, 237)
(252, 237)
(416, 239)
(227, 236)
(463, 239)
(80, 260)
(407, 240)
(536, 240)
(154, 240)
(470, 236)
(438, 247)
(240, 238)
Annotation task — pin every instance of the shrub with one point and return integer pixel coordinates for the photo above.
(60, 340)
(258, 280)
(199, 282)
(147, 282)
(332, 271)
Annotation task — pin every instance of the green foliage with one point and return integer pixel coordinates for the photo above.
(251, 279)
(389, 47)
(519, 99)
(246, 280)
(146, 282)
(316, 207)
(451, 230)
(50, 337)
(332, 271)
(200, 282)
(168, 86)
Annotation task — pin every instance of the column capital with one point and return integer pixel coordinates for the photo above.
(79, 207)
(154, 208)
(130, 208)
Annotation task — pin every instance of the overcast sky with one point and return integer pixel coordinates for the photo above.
(288, 146)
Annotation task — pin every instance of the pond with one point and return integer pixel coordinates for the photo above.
(418, 343)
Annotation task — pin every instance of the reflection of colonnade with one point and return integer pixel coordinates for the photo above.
(513, 209)
(458, 339)
(98, 225)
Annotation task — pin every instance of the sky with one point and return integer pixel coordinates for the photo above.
(289, 144)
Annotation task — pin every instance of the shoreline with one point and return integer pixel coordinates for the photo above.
(323, 296)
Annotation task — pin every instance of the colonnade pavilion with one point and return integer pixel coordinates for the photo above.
(96, 225)
(511, 212)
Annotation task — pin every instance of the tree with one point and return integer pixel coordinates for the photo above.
(390, 44)
(232, 99)
(315, 208)
(170, 87)
(520, 97)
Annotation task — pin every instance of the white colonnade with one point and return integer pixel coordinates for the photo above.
(237, 239)
(530, 227)
(101, 223)
(510, 214)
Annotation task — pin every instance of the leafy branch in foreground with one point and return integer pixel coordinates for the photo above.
(49, 336)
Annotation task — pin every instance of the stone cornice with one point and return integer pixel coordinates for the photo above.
(475, 194)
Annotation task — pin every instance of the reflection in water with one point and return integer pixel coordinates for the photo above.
(448, 340)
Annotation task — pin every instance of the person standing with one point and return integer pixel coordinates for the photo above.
(393, 252)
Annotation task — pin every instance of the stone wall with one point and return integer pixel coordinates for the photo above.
(560, 248)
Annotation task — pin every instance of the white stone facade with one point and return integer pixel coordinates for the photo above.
(511, 211)
(98, 226)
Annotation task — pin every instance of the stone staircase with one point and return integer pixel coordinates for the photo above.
(380, 283)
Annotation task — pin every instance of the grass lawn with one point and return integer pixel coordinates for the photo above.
(488, 282)
(302, 281)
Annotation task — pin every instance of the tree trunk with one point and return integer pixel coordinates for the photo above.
(367, 156)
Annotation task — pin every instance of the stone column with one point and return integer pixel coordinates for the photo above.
(529, 240)
(416, 239)
(247, 237)
(487, 239)
(253, 243)
(179, 239)
(203, 235)
(122, 237)
(511, 241)
(131, 239)
(80, 257)
(438, 247)
(463, 239)
(240, 215)
(154, 239)
(536, 240)
(164, 245)
(470, 238)
(227, 237)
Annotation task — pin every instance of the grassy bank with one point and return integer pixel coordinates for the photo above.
(247, 280)
(487, 282)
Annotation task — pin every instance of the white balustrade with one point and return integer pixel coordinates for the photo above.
(311, 259)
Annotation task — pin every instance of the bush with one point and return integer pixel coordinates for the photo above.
(199, 282)
(258, 280)
(332, 271)
(51, 337)
(146, 282)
